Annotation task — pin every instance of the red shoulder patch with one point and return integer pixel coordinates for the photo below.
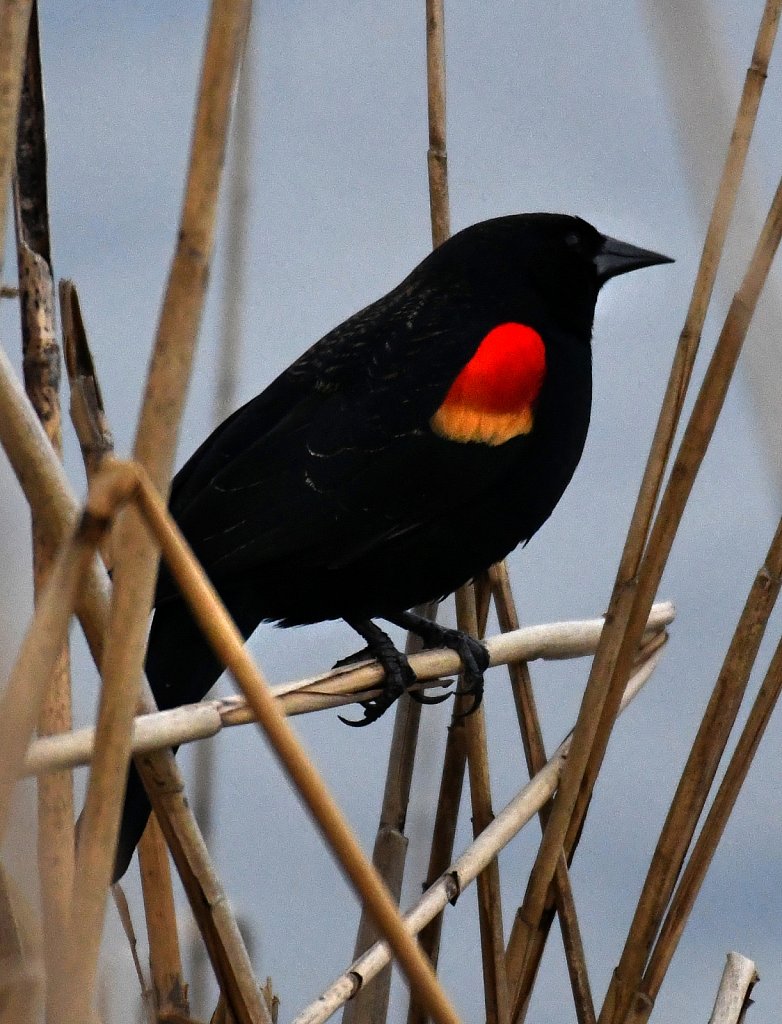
(491, 400)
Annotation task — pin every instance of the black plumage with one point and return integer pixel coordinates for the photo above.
(331, 495)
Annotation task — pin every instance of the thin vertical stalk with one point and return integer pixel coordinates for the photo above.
(164, 957)
(589, 747)
(495, 980)
(535, 754)
(14, 22)
(49, 495)
(41, 361)
(390, 851)
(696, 779)
(227, 642)
(713, 829)
(154, 448)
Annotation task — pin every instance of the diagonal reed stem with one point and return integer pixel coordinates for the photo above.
(41, 361)
(458, 875)
(625, 608)
(696, 780)
(535, 754)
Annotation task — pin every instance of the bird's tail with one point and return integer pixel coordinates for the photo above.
(181, 669)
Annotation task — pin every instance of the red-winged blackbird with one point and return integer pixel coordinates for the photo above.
(409, 449)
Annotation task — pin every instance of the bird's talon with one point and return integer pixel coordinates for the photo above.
(422, 698)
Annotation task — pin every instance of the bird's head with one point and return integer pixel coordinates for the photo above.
(549, 262)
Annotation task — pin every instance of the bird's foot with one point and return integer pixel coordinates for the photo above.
(399, 676)
(474, 656)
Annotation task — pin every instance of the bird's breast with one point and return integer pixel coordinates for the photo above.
(493, 397)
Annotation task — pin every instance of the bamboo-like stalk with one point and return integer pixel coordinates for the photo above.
(50, 497)
(495, 980)
(165, 961)
(390, 849)
(703, 851)
(695, 441)
(21, 967)
(437, 156)
(617, 647)
(227, 642)
(87, 411)
(41, 648)
(88, 415)
(733, 996)
(190, 722)
(41, 361)
(535, 754)
(148, 1001)
(462, 871)
(14, 22)
(154, 448)
(696, 779)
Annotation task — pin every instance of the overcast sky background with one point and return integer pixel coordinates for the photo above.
(551, 106)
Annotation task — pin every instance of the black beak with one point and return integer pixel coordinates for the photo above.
(615, 257)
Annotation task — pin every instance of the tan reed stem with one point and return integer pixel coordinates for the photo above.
(227, 642)
(148, 1001)
(190, 722)
(169, 993)
(640, 593)
(41, 648)
(696, 779)
(495, 980)
(733, 996)
(47, 490)
(437, 157)
(696, 438)
(87, 411)
(14, 21)
(41, 362)
(616, 649)
(447, 888)
(135, 569)
(164, 957)
(446, 815)
(535, 754)
(713, 828)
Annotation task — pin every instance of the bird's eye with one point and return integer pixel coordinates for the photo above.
(572, 240)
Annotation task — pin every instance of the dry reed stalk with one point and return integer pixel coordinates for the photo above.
(733, 996)
(452, 882)
(625, 608)
(165, 961)
(535, 754)
(154, 448)
(389, 852)
(41, 361)
(495, 980)
(41, 648)
(713, 827)
(49, 495)
(148, 1002)
(696, 779)
(390, 849)
(22, 976)
(96, 442)
(87, 411)
(448, 804)
(14, 22)
(192, 722)
(437, 156)
(227, 642)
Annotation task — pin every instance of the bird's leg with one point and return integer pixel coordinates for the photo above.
(399, 675)
(475, 657)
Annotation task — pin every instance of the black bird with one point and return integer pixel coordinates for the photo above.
(409, 449)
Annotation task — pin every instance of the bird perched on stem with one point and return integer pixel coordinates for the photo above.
(409, 449)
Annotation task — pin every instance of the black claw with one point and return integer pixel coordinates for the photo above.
(423, 698)
(399, 676)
